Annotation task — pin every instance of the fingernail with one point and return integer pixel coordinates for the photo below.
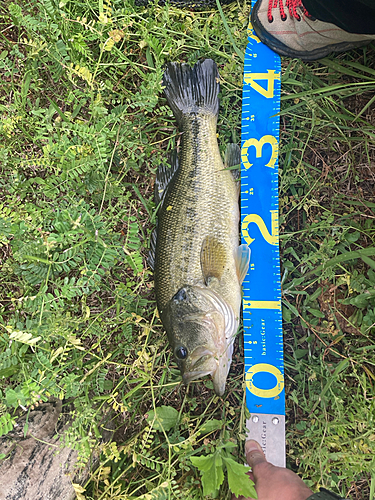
(252, 445)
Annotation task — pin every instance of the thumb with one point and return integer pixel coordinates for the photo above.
(254, 453)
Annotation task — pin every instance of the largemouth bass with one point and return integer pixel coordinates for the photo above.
(198, 263)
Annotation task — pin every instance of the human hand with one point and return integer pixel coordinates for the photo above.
(271, 482)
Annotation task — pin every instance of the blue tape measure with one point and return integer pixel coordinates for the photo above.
(262, 318)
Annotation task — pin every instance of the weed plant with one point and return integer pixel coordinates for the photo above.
(84, 126)
(327, 215)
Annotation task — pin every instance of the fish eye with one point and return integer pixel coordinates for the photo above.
(180, 295)
(181, 352)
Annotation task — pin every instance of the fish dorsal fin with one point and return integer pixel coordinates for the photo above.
(164, 175)
(213, 258)
(152, 253)
(242, 261)
(233, 159)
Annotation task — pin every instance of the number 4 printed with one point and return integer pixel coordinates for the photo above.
(270, 77)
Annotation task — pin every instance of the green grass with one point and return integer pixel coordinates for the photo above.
(327, 241)
(84, 126)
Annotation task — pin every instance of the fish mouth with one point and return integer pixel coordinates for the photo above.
(202, 363)
(205, 362)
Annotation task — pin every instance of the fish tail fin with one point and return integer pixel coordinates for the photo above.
(192, 90)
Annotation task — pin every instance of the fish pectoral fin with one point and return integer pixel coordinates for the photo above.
(213, 258)
(242, 261)
(233, 159)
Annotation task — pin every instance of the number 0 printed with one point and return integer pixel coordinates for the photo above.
(265, 393)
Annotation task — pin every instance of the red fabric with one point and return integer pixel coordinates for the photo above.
(291, 5)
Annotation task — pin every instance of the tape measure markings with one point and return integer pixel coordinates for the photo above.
(262, 319)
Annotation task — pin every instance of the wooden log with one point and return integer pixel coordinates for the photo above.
(36, 466)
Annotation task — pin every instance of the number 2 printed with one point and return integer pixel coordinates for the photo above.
(271, 238)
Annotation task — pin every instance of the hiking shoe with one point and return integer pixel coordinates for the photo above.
(288, 29)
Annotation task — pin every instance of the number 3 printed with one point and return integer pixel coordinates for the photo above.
(258, 144)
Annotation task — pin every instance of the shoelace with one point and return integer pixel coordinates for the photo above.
(292, 5)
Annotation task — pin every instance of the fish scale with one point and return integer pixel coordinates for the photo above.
(202, 179)
(262, 317)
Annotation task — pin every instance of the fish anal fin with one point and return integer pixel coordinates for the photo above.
(213, 258)
(164, 176)
(152, 252)
(242, 261)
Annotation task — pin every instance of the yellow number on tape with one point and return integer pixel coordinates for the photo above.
(258, 144)
(270, 77)
(251, 34)
(273, 238)
(265, 393)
